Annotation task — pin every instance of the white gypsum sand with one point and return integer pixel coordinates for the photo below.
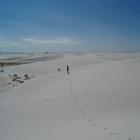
(98, 100)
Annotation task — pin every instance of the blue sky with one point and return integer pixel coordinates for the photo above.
(69, 25)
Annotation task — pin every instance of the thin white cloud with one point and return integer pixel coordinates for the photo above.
(30, 42)
(56, 41)
(9, 43)
(2, 41)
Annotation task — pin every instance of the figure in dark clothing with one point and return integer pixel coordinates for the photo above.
(2, 65)
(68, 69)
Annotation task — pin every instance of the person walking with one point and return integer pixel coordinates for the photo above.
(68, 69)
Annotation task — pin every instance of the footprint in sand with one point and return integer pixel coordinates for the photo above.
(38, 118)
(90, 120)
(94, 125)
(47, 100)
(77, 96)
(130, 138)
(53, 100)
(84, 115)
(33, 102)
(114, 133)
(81, 109)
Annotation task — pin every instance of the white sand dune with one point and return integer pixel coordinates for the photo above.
(100, 100)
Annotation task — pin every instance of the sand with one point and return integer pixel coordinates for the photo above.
(7, 71)
(98, 100)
